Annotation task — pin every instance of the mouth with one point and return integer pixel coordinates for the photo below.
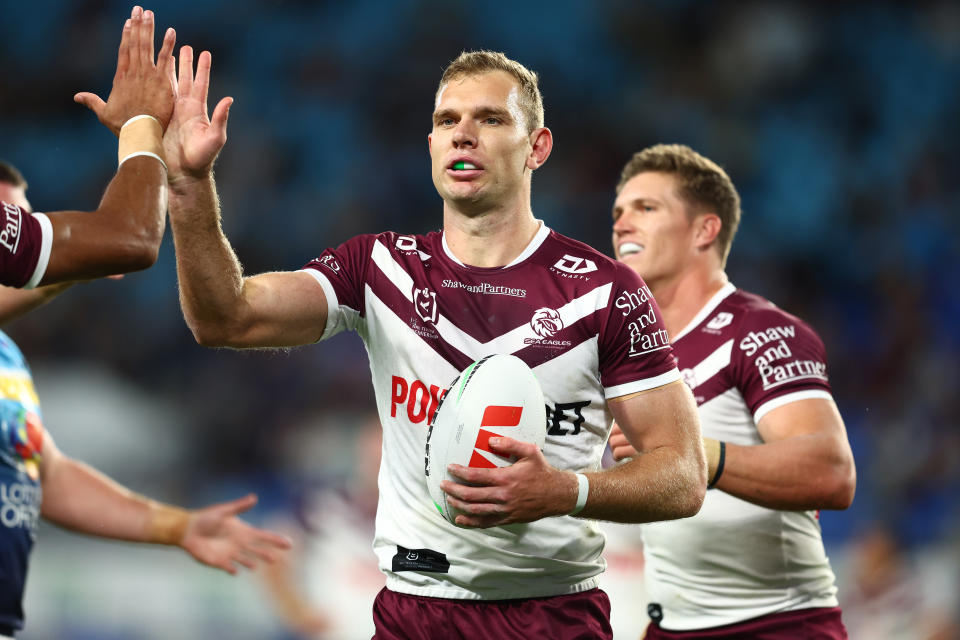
(629, 249)
(458, 165)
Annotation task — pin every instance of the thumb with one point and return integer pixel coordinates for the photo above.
(240, 505)
(220, 114)
(90, 101)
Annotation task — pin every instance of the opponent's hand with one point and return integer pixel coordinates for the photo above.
(141, 85)
(216, 537)
(193, 140)
(527, 490)
(619, 445)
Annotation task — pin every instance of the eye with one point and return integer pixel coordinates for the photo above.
(445, 122)
(491, 120)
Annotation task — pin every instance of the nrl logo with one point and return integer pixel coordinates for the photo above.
(426, 303)
(331, 263)
(546, 322)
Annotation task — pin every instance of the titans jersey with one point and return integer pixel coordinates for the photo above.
(742, 357)
(587, 326)
(21, 443)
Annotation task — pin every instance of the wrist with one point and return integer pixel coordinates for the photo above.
(716, 451)
(141, 135)
(167, 525)
(581, 492)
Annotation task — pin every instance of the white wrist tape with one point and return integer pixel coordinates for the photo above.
(583, 490)
(141, 136)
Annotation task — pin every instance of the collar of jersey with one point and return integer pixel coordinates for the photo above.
(535, 243)
(707, 309)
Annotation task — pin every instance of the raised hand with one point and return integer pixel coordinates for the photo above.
(527, 490)
(193, 140)
(216, 537)
(141, 85)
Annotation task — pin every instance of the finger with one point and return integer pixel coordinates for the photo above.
(471, 475)
(618, 440)
(165, 58)
(246, 561)
(507, 447)
(186, 70)
(240, 504)
(90, 101)
(123, 53)
(146, 40)
(201, 84)
(471, 495)
(136, 19)
(220, 114)
(620, 453)
(268, 538)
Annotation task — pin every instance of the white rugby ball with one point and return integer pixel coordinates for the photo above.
(496, 396)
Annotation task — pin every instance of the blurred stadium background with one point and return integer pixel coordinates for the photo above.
(838, 122)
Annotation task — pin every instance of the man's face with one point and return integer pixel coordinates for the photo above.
(479, 144)
(14, 195)
(652, 232)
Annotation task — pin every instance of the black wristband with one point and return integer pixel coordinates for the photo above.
(720, 461)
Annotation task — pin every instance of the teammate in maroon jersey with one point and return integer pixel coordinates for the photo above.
(751, 563)
(496, 280)
(125, 231)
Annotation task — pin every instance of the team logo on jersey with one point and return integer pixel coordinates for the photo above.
(689, 378)
(574, 265)
(719, 321)
(22, 438)
(426, 303)
(330, 262)
(10, 233)
(546, 322)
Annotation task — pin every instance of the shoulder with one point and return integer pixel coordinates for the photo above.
(759, 321)
(573, 257)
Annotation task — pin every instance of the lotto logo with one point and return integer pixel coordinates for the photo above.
(493, 416)
(421, 402)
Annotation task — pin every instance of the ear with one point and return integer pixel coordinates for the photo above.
(707, 228)
(541, 143)
(429, 142)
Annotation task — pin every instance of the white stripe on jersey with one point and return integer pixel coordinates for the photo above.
(713, 363)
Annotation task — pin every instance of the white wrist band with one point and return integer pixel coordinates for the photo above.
(583, 490)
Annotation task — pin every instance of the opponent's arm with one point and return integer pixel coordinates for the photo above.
(17, 302)
(667, 481)
(221, 307)
(78, 497)
(125, 231)
(804, 463)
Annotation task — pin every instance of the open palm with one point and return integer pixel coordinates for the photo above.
(193, 141)
(216, 537)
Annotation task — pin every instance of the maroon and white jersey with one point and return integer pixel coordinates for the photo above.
(25, 241)
(585, 324)
(742, 356)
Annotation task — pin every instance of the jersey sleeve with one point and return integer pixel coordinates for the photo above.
(25, 241)
(778, 359)
(341, 272)
(635, 351)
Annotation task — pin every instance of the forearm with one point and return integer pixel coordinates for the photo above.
(210, 275)
(800, 473)
(80, 498)
(122, 235)
(17, 302)
(662, 484)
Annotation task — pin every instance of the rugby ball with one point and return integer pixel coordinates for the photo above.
(495, 396)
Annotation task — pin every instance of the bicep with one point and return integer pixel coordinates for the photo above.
(284, 309)
(807, 417)
(665, 416)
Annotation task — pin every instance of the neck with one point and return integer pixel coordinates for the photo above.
(682, 297)
(493, 238)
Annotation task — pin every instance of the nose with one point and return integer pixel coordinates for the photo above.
(622, 225)
(465, 135)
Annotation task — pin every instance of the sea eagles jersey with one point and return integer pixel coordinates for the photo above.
(21, 443)
(25, 241)
(742, 357)
(587, 326)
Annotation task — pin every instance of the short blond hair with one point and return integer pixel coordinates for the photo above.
(701, 183)
(471, 63)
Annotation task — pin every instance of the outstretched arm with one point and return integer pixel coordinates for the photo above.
(78, 497)
(221, 307)
(804, 463)
(125, 231)
(667, 481)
